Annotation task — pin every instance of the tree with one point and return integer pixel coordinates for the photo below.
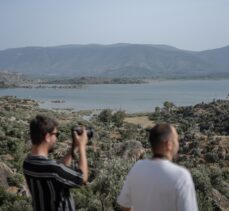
(157, 109)
(118, 118)
(168, 105)
(105, 116)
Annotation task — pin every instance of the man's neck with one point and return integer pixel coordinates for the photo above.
(159, 155)
(39, 150)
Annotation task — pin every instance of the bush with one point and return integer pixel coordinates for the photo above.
(15, 180)
(203, 189)
(19, 205)
(12, 202)
(118, 118)
(102, 193)
(211, 157)
(205, 203)
(216, 177)
(201, 180)
(105, 116)
(168, 105)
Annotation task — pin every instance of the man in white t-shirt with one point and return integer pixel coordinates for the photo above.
(157, 184)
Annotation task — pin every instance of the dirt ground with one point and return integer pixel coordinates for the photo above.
(140, 120)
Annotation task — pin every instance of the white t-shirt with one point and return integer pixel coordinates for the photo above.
(158, 185)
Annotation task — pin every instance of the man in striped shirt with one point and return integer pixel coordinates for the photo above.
(48, 181)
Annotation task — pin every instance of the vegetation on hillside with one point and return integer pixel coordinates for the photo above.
(204, 147)
(117, 61)
(95, 80)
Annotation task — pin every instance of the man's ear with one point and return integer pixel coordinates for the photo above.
(47, 137)
(169, 145)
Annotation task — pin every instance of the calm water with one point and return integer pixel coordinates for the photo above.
(129, 97)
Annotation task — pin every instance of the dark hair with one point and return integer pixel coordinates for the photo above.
(159, 134)
(39, 127)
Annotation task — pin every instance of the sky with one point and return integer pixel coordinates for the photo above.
(186, 24)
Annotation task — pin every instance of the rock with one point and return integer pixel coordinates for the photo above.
(7, 157)
(220, 200)
(5, 172)
(12, 119)
(12, 189)
(23, 191)
(130, 149)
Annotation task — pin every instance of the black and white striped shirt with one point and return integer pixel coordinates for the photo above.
(49, 183)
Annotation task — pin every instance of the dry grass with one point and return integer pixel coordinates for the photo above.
(140, 120)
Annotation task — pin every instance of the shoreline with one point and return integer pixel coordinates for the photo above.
(81, 86)
(140, 98)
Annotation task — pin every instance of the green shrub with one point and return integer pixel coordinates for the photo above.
(211, 157)
(105, 116)
(102, 193)
(201, 180)
(118, 118)
(12, 202)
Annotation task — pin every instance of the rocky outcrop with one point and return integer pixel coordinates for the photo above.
(5, 173)
(130, 149)
(220, 200)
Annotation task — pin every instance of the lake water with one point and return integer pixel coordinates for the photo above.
(129, 97)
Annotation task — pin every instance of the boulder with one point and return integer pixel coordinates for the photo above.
(5, 172)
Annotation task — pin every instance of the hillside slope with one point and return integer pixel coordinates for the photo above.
(118, 60)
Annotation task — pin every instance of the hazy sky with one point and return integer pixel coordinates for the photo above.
(185, 24)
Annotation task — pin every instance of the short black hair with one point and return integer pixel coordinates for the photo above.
(40, 126)
(159, 134)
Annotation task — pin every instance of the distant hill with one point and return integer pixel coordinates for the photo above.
(218, 56)
(117, 60)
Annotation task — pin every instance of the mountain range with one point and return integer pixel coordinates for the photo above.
(116, 60)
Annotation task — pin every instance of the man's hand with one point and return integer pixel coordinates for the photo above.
(80, 140)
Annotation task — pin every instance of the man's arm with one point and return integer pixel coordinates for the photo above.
(83, 165)
(80, 142)
(67, 160)
(186, 195)
(124, 198)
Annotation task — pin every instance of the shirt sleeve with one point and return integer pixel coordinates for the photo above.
(186, 195)
(69, 177)
(124, 198)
